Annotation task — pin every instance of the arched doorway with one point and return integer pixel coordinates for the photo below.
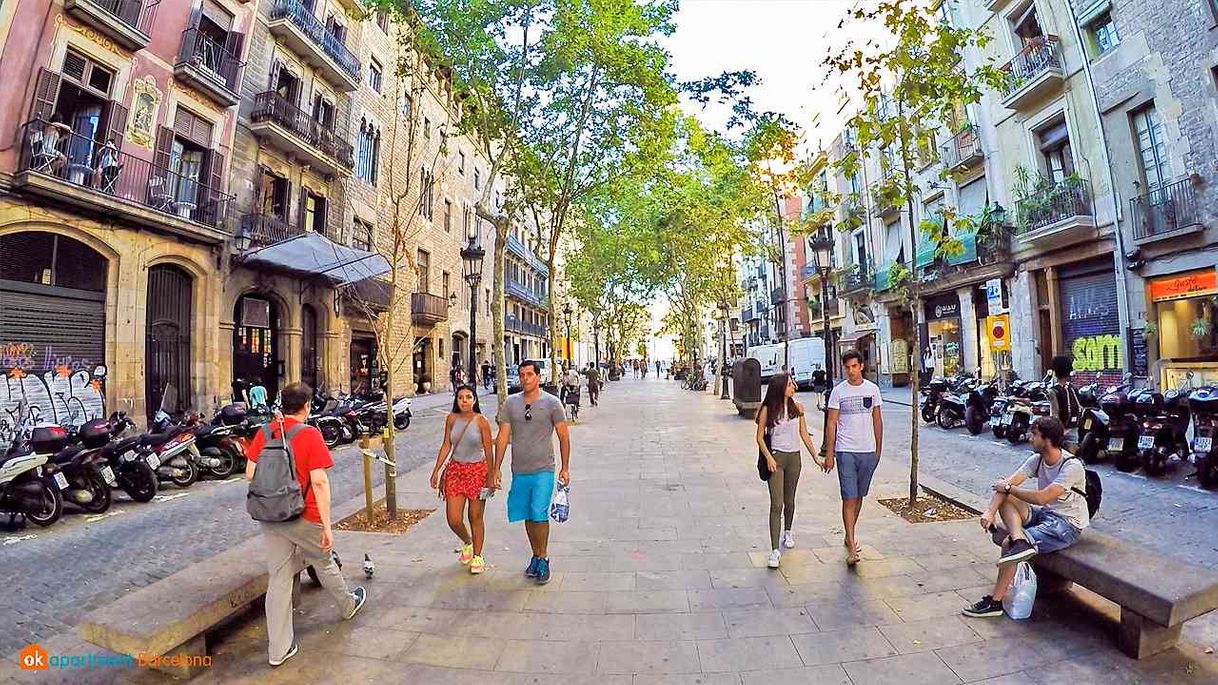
(167, 338)
(256, 346)
(309, 348)
(52, 325)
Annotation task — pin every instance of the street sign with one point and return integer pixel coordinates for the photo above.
(997, 328)
(993, 294)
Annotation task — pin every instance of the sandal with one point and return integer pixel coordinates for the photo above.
(858, 549)
(852, 559)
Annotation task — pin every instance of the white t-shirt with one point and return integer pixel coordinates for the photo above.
(855, 432)
(1070, 475)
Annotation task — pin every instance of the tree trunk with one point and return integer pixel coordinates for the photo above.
(388, 354)
(914, 305)
(502, 227)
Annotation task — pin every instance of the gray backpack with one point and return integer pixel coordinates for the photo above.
(275, 494)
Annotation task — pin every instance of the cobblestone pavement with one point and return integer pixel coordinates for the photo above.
(659, 577)
(83, 562)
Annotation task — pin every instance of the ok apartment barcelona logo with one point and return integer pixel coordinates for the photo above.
(33, 658)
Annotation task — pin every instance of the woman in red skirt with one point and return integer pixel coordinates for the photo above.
(461, 471)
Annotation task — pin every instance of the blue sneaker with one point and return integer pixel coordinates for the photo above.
(543, 571)
(531, 571)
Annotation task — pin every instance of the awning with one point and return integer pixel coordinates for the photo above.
(851, 338)
(312, 254)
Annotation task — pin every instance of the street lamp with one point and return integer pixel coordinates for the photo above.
(471, 257)
(821, 243)
(566, 312)
(724, 314)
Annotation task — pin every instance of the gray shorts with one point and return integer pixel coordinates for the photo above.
(854, 472)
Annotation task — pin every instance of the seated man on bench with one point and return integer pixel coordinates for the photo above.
(1035, 521)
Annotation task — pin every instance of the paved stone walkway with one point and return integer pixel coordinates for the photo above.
(660, 577)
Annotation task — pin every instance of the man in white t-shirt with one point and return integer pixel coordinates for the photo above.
(855, 438)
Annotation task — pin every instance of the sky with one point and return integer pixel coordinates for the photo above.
(784, 42)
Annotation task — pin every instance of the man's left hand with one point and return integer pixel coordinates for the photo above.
(564, 477)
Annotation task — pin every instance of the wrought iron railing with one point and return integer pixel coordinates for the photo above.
(777, 296)
(54, 150)
(1165, 209)
(300, 15)
(134, 13)
(425, 307)
(1034, 59)
(859, 277)
(519, 290)
(747, 314)
(515, 325)
(270, 106)
(267, 229)
(201, 51)
(1069, 198)
(963, 146)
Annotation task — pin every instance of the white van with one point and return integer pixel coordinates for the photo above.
(807, 355)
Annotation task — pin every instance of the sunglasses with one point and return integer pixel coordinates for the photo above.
(528, 412)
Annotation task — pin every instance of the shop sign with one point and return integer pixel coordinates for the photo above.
(997, 329)
(900, 356)
(993, 294)
(1184, 286)
(943, 307)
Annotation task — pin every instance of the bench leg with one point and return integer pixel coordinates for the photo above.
(1140, 637)
(1048, 582)
(191, 659)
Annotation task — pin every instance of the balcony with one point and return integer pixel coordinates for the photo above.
(1035, 72)
(70, 169)
(521, 250)
(859, 279)
(748, 314)
(1167, 212)
(427, 309)
(777, 296)
(884, 204)
(206, 66)
(522, 293)
(816, 311)
(268, 229)
(291, 129)
(1052, 212)
(515, 325)
(963, 151)
(305, 34)
(126, 22)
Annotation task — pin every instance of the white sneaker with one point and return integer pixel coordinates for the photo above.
(775, 558)
(788, 540)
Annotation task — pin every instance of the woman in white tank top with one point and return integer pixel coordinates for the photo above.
(461, 473)
(782, 418)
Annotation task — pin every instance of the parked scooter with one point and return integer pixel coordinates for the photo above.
(1165, 418)
(220, 440)
(134, 475)
(953, 404)
(1102, 428)
(1204, 405)
(1030, 402)
(978, 404)
(169, 447)
(29, 486)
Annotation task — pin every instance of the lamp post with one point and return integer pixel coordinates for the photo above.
(566, 312)
(724, 314)
(822, 260)
(471, 257)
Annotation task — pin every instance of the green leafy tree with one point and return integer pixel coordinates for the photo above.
(912, 82)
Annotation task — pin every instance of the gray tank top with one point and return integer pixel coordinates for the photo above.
(469, 450)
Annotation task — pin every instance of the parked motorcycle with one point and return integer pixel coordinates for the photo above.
(1165, 418)
(953, 404)
(86, 469)
(219, 442)
(979, 403)
(1204, 405)
(29, 485)
(169, 448)
(1102, 428)
(1030, 401)
(131, 470)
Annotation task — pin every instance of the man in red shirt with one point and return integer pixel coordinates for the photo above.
(309, 535)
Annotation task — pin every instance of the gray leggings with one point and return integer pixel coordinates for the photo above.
(782, 493)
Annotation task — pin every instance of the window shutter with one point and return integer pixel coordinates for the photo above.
(74, 66)
(233, 45)
(304, 201)
(320, 213)
(46, 93)
(164, 141)
(116, 124)
(215, 169)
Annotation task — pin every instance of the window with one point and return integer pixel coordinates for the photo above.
(424, 263)
(368, 152)
(362, 235)
(334, 28)
(273, 195)
(461, 161)
(477, 178)
(314, 212)
(440, 342)
(382, 20)
(448, 215)
(1152, 150)
(1103, 33)
(427, 190)
(445, 283)
(498, 200)
(1054, 142)
(323, 111)
(404, 106)
(427, 128)
(374, 75)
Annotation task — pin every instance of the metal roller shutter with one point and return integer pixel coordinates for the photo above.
(58, 323)
(1091, 327)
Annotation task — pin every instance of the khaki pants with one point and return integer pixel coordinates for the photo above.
(782, 493)
(286, 544)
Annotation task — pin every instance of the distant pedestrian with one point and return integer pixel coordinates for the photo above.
(308, 536)
(855, 438)
(593, 375)
(530, 419)
(463, 474)
(486, 374)
(658, 368)
(1064, 402)
(783, 418)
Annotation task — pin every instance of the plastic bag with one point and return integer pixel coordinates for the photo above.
(1022, 594)
(561, 506)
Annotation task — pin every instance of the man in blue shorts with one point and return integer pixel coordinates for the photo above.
(530, 419)
(854, 437)
(1035, 520)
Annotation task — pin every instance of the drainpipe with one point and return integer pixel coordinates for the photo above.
(1122, 287)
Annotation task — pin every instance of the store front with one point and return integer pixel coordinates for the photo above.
(256, 358)
(992, 323)
(364, 366)
(1185, 310)
(1090, 321)
(942, 334)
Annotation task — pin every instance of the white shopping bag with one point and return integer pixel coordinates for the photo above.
(1022, 593)
(560, 507)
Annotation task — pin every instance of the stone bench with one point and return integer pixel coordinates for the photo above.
(1157, 594)
(172, 616)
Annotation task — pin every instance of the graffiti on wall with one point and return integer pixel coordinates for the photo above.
(60, 389)
(1097, 353)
